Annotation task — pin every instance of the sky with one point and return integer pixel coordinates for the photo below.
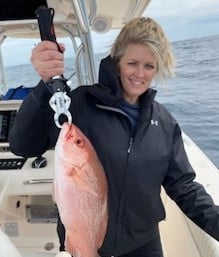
(186, 19)
(180, 20)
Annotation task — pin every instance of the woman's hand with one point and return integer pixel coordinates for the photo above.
(47, 60)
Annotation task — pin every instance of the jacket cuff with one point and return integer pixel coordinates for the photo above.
(41, 94)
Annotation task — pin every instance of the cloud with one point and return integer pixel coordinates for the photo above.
(186, 8)
(186, 19)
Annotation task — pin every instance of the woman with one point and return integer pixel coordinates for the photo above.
(137, 140)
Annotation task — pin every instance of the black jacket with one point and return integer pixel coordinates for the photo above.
(136, 165)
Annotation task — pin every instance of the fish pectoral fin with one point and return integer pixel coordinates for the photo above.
(82, 181)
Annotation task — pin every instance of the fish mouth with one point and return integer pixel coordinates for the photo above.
(68, 130)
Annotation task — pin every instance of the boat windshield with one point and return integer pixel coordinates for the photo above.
(17, 70)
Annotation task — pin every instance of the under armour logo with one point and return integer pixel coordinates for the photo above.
(154, 122)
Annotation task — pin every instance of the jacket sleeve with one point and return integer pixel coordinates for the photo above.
(189, 195)
(33, 131)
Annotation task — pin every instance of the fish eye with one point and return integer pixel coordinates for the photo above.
(78, 141)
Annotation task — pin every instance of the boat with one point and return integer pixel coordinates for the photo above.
(27, 212)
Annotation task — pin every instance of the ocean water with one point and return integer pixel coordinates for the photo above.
(192, 96)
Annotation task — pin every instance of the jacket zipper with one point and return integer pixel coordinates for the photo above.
(128, 151)
(130, 144)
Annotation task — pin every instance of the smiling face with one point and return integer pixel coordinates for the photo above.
(137, 68)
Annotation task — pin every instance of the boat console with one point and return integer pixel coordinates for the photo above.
(28, 214)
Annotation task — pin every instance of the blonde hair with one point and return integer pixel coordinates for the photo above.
(146, 31)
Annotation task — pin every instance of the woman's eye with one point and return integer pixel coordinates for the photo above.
(149, 66)
(132, 63)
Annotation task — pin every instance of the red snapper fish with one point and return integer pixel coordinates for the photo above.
(80, 192)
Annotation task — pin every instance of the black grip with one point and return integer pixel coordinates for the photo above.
(45, 21)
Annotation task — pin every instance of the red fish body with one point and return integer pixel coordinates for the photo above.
(80, 192)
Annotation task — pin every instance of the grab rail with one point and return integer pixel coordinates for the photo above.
(38, 181)
(77, 66)
(80, 14)
(84, 33)
(93, 11)
(3, 88)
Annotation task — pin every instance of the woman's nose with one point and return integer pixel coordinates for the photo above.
(140, 71)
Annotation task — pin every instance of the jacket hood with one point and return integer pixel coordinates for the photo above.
(108, 76)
